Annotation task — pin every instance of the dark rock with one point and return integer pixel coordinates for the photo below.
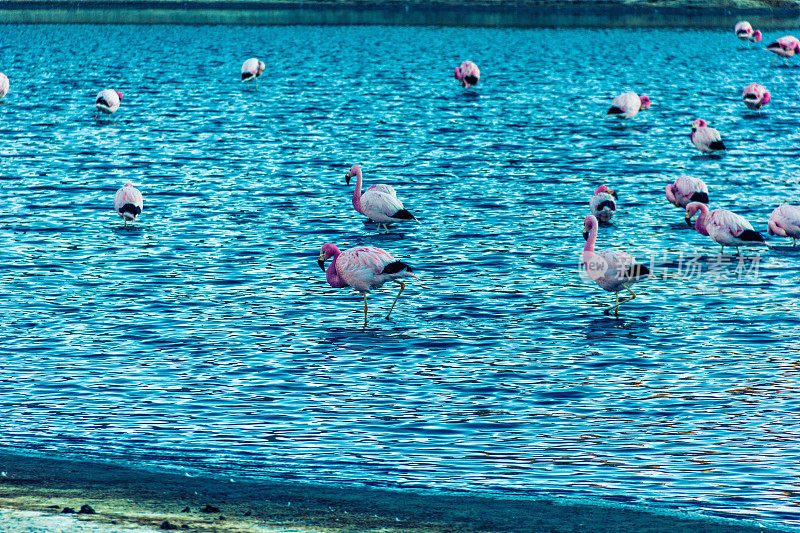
(86, 509)
(166, 525)
(221, 517)
(54, 507)
(248, 513)
(67, 510)
(186, 510)
(209, 509)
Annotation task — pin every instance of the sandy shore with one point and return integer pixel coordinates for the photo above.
(765, 14)
(34, 490)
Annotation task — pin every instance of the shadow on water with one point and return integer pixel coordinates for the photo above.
(614, 328)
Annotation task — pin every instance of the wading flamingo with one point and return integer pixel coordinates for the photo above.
(724, 227)
(611, 270)
(785, 222)
(379, 203)
(785, 47)
(744, 31)
(755, 96)
(603, 203)
(108, 101)
(707, 140)
(627, 105)
(686, 190)
(468, 74)
(363, 268)
(128, 202)
(252, 69)
(4, 85)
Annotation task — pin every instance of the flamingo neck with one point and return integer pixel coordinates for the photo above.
(702, 219)
(589, 246)
(357, 192)
(334, 280)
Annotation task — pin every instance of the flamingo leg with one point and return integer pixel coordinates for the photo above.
(402, 286)
(620, 302)
(365, 308)
(614, 307)
(722, 250)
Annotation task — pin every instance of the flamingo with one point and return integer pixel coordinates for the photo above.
(627, 105)
(611, 270)
(252, 69)
(468, 74)
(706, 139)
(603, 203)
(379, 203)
(128, 202)
(755, 96)
(724, 227)
(785, 222)
(108, 101)
(686, 190)
(364, 268)
(4, 85)
(744, 31)
(785, 47)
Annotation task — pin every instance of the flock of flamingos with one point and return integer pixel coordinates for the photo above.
(365, 268)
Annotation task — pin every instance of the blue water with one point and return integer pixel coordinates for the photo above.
(205, 337)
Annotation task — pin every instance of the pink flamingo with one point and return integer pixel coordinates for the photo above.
(627, 105)
(128, 202)
(744, 31)
(603, 203)
(785, 222)
(4, 85)
(724, 227)
(108, 101)
(252, 69)
(785, 47)
(379, 203)
(468, 74)
(611, 270)
(706, 139)
(685, 190)
(364, 268)
(755, 96)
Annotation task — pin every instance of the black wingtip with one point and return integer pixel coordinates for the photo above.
(606, 203)
(395, 267)
(134, 210)
(701, 197)
(403, 214)
(637, 271)
(717, 145)
(751, 236)
(615, 111)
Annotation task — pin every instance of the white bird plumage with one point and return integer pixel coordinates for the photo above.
(379, 202)
(785, 222)
(128, 202)
(603, 203)
(724, 227)
(108, 101)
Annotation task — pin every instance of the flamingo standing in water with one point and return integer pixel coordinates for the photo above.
(707, 140)
(252, 69)
(128, 202)
(603, 203)
(627, 105)
(468, 74)
(611, 270)
(785, 222)
(379, 203)
(4, 85)
(755, 96)
(364, 268)
(785, 47)
(744, 31)
(108, 102)
(723, 226)
(685, 190)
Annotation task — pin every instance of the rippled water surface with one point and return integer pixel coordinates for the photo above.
(206, 337)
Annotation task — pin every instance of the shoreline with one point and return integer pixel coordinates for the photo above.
(469, 13)
(125, 496)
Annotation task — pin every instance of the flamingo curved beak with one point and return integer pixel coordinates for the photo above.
(347, 177)
(321, 261)
(688, 220)
(585, 234)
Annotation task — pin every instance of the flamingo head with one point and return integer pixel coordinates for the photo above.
(645, 101)
(766, 98)
(756, 37)
(328, 250)
(119, 94)
(457, 75)
(699, 123)
(355, 170)
(606, 190)
(691, 209)
(589, 223)
(261, 68)
(128, 184)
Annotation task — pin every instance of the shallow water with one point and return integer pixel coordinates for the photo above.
(205, 337)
